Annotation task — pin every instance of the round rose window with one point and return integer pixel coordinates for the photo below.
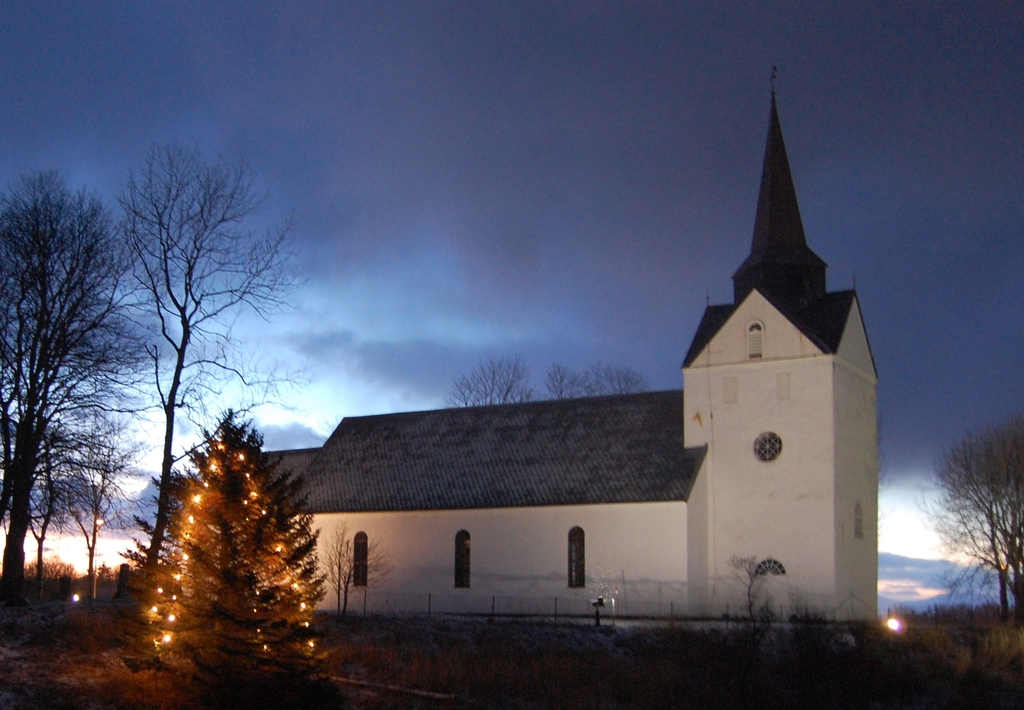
(768, 446)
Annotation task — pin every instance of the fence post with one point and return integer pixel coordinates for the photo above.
(364, 602)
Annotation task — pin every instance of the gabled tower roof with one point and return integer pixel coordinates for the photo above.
(780, 262)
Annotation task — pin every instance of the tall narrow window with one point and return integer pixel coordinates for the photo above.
(360, 560)
(577, 559)
(755, 341)
(858, 521)
(462, 559)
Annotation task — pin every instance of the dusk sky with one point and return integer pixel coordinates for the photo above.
(570, 181)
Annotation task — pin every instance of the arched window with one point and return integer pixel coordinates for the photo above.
(858, 521)
(577, 559)
(769, 567)
(462, 559)
(360, 560)
(755, 340)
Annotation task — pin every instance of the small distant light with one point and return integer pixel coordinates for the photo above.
(306, 624)
(894, 625)
(75, 598)
(167, 638)
(311, 644)
(184, 555)
(154, 609)
(171, 618)
(196, 498)
(191, 519)
(302, 605)
(99, 521)
(159, 590)
(174, 597)
(241, 457)
(205, 484)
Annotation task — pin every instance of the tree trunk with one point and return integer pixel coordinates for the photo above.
(92, 571)
(39, 556)
(1018, 600)
(163, 503)
(12, 586)
(39, 570)
(1004, 600)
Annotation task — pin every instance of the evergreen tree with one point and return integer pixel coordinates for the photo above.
(235, 591)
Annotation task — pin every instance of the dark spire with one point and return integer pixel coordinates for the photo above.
(780, 262)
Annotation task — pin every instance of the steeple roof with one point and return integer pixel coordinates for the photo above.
(780, 260)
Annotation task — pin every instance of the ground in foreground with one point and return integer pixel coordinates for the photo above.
(53, 656)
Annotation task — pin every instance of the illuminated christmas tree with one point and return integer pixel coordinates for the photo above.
(235, 594)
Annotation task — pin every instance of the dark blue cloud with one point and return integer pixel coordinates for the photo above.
(585, 174)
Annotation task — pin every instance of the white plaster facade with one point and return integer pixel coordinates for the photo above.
(635, 553)
(798, 509)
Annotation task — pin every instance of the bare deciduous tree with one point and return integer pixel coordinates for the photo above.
(496, 380)
(64, 344)
(197, 265)
(346, 567)
(96, 498)
(597, 380)
(980, 510)
(751, 575)
(49, 496)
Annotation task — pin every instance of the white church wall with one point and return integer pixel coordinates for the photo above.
(853, 346)
(636, 553)
(781, 339)
(856, 482)
(783, 509)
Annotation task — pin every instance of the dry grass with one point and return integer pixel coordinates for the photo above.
(56, 657)
(568, 668)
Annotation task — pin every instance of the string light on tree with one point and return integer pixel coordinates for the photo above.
(243, 588)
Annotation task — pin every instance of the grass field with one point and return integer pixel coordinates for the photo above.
(56, 656)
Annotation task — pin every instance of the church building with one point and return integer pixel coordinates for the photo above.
(762, 476)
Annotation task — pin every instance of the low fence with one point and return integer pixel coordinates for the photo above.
(385, 602)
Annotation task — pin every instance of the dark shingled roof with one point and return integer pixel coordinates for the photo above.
(294, 460)
(822, 321)
(625, 448)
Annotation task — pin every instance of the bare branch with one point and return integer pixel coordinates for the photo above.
(66, 344)
(980, 511)
(596, 381)
(197, 264)
(497, 380)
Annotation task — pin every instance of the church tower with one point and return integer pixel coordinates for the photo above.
(780, 386)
